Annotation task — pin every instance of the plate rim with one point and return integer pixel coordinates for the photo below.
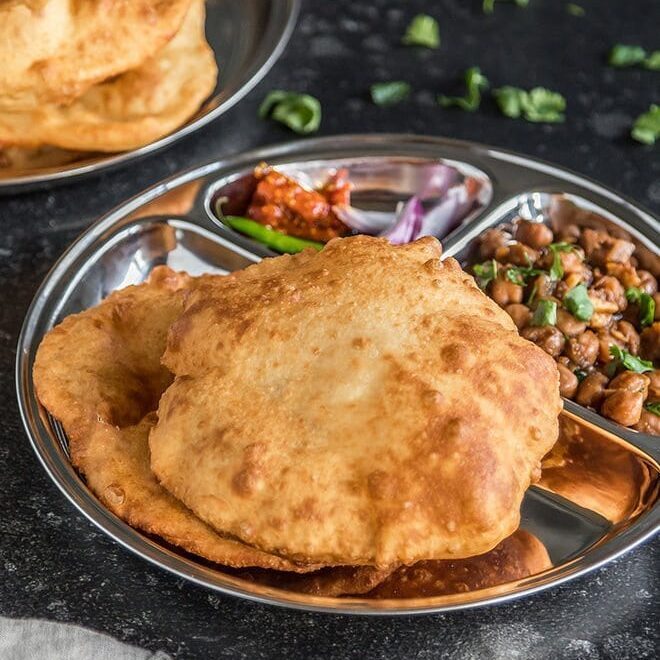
(290, 10)
(644, 527)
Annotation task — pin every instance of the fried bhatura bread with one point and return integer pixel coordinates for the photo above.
(99, 374)
(53, 50)
(516, 557)
(366, 404)
(130, 110)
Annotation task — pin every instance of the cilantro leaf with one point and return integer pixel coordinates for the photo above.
(389, 93)
(629, 361)
(646, 305)
(652, 61)
(488, 6)
(646, 128)
(575, 10)
(536, 105)
(300, 112)
(475, 82)
(578, 304)
(422, 31)
(654, 407)
(485, 272)
(557, 269)
(545, 313)
(520, 274)
(623, 55)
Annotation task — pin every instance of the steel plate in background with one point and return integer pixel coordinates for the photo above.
(247, 37)
(585, 511)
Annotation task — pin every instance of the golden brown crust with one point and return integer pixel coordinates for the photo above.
(388, 403)
(99, 374)
(129, 110)
(52, 51)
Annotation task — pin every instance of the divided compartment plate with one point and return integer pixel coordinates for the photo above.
(598, 496)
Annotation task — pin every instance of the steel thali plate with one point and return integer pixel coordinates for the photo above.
(598, 496)
(247, 37)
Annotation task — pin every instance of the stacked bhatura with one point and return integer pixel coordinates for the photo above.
(358, 420)
(94, 76)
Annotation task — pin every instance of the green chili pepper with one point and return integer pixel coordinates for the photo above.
(269, 237)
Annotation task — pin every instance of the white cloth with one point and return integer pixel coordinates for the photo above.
(26, 639)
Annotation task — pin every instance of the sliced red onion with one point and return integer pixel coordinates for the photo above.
(364, 222)
(443, 218)
(408, 223)
(437, 179)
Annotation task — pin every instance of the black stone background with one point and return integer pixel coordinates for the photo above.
(55, 564)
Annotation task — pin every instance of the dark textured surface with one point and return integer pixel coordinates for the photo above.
(54, 564)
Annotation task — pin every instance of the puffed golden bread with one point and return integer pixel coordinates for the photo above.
(52, 51)
(18, 159)
(364, 405)
(515, 558)
(129, 110)
(99, 374)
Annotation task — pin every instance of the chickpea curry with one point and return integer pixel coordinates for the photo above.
(580, 294)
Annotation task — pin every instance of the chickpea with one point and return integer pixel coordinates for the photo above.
(649, 342)
(609, 289)
(504, 292)
(654, 385)
(624, 334)
(534, 234)
(568, 233)
(543, 286)
(648, 283)
(568, 324)
(547, 337)
(623, 406)
(631, 382)
(490, 240)
(625, 273)
(591, 391)
(571, 366)
(521, 314)
(583, 349)
(517, 254)
(648, 423)
(568, 382)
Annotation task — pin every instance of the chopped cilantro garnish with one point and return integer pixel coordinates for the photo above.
(652, 61)
(629, 361)
(488, 6)
(575, 10)
(654, 407)
(545, 313)
(557, 269)
(624, 56)
(475, 82)
(300, 112)
(646, 128)
(422, 31)
(578, 304)
(646, 305)
(536, 105)
(389, 93)
(520, 274)
(485, 272)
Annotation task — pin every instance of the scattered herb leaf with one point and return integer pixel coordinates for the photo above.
(520, 274)
(646, 128)
(654, 407)
(422, 31)
(623, 55)
(536, 105)
(646, 305)
(389, 93)
(629, 361)
(485, 272)
(300, 112)
(578, 304)
(652, 61)
(575, 10)
(545, 313)
(532, 296)
(475, 82)
(488, 6)
(557, 269)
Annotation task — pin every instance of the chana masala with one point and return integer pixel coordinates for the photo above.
(581, 293)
